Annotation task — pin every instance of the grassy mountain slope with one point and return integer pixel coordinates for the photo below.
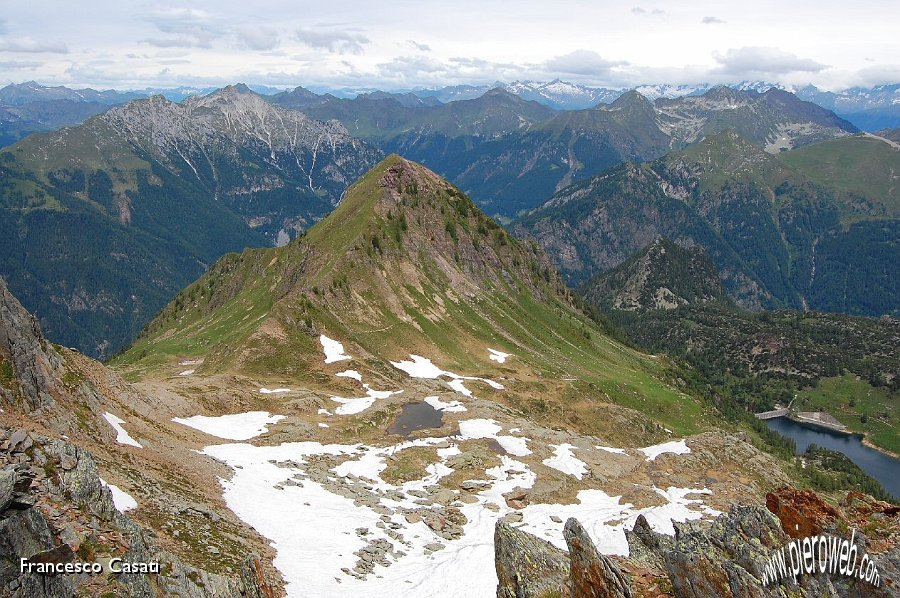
(862, 165)
(408, 264)
(777, 237)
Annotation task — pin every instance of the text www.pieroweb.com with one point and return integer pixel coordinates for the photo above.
(820, 554)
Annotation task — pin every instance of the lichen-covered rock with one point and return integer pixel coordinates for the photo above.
(47, 504)
(592, 574)
(527, 567)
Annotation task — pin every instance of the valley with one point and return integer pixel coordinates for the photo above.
(397, 345)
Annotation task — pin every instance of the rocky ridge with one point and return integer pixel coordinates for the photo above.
(722, 558)
(55, 506)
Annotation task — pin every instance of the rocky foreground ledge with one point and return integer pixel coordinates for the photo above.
(722, 558)
(55, 509)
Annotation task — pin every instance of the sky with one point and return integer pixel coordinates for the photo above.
(393, 44)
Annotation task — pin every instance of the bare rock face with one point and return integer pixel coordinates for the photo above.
(592, 574)
(802, 512)
(56, 509)
(527, 567)
(25, 356)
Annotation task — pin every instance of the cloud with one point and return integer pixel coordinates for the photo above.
(712, 21)
(258, 38)
(190, 28)
(643, 11)
(417, 46)
(31, 46)
(412, 66)
(336, 42)
(20, 64)
(581, 62)
(763, 60)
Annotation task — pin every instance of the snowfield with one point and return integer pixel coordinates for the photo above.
(239, 426)
(326, 506)
(319, 521)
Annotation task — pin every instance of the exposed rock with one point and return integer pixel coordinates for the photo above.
(517, 498)
(802, 512)
(7, 484)
(74, 501)
(592, 574)
(527, 567)
(35, 364)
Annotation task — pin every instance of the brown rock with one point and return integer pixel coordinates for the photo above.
(516, 498)
(592, 574)
(802, 512)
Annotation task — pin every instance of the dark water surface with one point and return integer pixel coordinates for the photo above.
(880, 466)
(416, 416)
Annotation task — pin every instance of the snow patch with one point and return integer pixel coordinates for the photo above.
(237, 426)
(121, 499)
(498, 356)
(122, 437)
(354, 406)
(451, 407)
(272, 391)
(678, 447)
(334, 351)
(473, 429)
(186, 372)
(421, 367)
(566, 461)
(350, 374)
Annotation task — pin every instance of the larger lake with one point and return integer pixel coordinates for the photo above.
(882, 467)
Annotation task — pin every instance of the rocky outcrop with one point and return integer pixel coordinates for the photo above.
(56, 509)
(527, 567)
(28, 365)
(592, 574)
(802, 512)
(725, 558)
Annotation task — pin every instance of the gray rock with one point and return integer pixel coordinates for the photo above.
(527, 567)
(7, 485)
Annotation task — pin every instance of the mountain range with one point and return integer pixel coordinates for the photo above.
(193, 180)
(113, 217)
(815, 227)
(512, 154)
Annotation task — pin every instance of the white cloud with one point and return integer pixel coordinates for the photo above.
(20, 64)
(712, 21)
(417, 46)
(581, 62)
(31, 46)
(753, 60)
(188, 28)
(644, 11)
(258, 37)
(336, 42)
